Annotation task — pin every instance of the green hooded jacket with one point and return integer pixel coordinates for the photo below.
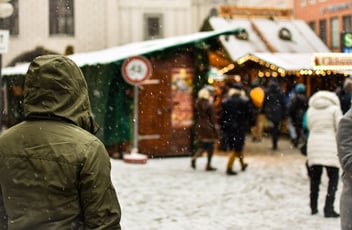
(54, 173)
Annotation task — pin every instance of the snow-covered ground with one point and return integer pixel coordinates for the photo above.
(273, 193)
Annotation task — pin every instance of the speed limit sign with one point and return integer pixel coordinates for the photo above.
(135, 70)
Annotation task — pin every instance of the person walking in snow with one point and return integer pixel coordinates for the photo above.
(256, 95)
(323, 116)
(55, 174)
(205, 128)
(235, 117)
(345, 95)
(274, 108)
(297, 106)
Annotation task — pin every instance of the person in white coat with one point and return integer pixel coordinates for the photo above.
(323, 115)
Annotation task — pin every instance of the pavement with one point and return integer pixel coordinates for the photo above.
(272, 194)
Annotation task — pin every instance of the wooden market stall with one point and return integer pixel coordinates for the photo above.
(165, 101)
(271, 44)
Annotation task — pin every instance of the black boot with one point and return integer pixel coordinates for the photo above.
(210, 156)
(314, 211)
(230, 172)
(331, 213)
(329, 207)
(333, 174)
(193, 163)
(209, 168)
(244, 166)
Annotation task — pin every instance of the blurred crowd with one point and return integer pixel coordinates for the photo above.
(226, 113)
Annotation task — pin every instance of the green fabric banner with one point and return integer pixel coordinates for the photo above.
(109, 97)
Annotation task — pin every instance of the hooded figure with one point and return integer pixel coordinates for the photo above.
(55, 174)
(323, 116)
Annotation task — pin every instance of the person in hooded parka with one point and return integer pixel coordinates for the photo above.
(54, 172)
(323, 116)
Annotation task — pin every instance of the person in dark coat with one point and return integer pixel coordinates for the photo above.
(345, 95)
(235, 117)
(297, 106)
(205, 128)
(55, 173)
(274, 108)
(344, 153)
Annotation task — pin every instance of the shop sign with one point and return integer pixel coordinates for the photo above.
(136, 70)
(346, 42)
(4, 41)
(332, 61)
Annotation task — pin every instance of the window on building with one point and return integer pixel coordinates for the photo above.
(347, 23)
(322, 30)
(153, 26)
(11, 23)
(335, 36)
(61, 17)
(312, 25)
(312, 2)
(303, 2)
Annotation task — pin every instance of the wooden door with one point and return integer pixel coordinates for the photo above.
(166, 110)
(154, 113)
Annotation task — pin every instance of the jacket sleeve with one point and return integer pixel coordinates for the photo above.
(344, 142)
(99, 202)
(3, 215)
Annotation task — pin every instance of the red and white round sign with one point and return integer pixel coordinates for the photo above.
(137, 69)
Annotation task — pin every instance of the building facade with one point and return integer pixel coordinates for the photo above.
(328, 18)
(88, 25)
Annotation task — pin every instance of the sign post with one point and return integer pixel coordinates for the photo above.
(4, 43)
(135, 71)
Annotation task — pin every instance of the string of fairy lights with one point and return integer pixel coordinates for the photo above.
(273, 70)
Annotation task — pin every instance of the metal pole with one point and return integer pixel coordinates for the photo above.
(135, 118)
(1, 95)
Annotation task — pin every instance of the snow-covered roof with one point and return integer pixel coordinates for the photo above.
(287, 61)
(129, 50)
(264, 41)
